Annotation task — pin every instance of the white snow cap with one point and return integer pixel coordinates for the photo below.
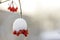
(19, 24)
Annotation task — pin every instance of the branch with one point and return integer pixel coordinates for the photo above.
(4, 1)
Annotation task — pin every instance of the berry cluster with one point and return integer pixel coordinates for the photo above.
(13, 9)
(24, 32)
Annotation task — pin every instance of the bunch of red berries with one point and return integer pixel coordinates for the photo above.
(11, 7)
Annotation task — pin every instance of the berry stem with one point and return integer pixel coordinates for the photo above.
(20, 9)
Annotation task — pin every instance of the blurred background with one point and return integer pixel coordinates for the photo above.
(42, 16)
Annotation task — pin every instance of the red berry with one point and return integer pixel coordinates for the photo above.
(24, 32)
(14, 32)
(13, 9)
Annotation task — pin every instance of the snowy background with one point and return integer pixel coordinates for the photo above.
(42, 16)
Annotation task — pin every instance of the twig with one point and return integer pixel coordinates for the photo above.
(4, 1)
(20, 9)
